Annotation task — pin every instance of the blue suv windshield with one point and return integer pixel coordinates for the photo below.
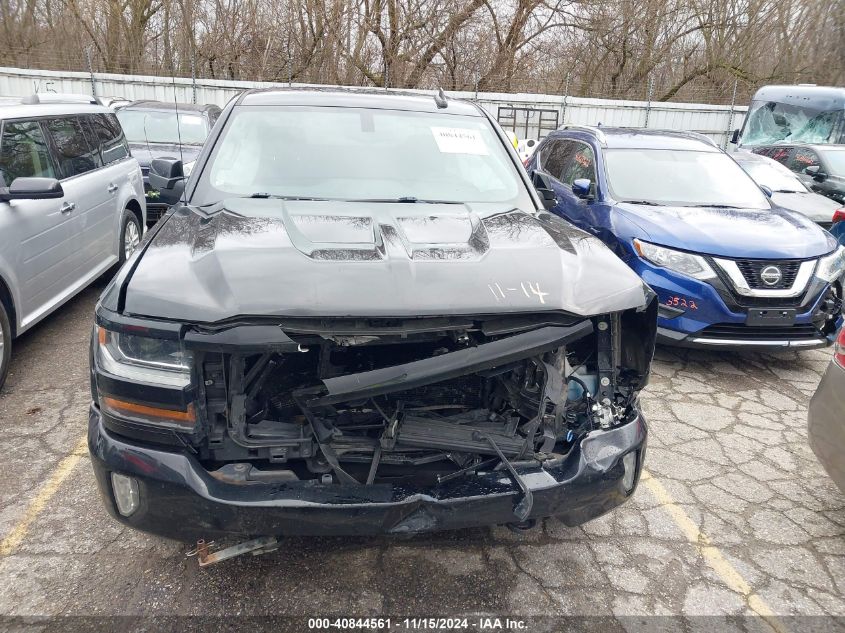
(681, 178)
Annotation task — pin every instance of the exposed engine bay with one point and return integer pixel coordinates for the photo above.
(366, 402)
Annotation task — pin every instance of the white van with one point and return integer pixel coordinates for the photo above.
(71, 206)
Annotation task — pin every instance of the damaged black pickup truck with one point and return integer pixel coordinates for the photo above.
(360, 319)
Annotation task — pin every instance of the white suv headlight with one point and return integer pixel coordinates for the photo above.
(144, 359)
(677, 261)
(832, 266)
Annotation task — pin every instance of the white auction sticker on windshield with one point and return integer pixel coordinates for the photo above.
(458, 140)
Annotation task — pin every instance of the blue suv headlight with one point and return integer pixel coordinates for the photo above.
(678, 261)
(832, 266)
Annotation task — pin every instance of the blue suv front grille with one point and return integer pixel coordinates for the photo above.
(739, 331)
(752, 270)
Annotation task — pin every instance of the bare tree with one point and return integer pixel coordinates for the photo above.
(683, 49)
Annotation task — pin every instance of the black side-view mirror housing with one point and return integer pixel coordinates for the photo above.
(816, 172)
(167, 176)
(735, 137)
(32, 189)
(766, 190)
(543, 185)
(582, 187)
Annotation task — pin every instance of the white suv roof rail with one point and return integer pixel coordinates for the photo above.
(55, 97)
(703, 138)
(587, 128)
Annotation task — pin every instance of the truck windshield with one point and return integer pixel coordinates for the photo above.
(149, 126)
(770, 122)
(359, 154)
(681, 178)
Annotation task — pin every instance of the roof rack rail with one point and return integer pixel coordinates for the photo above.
(55, 97)
(586, 128)
(702, 137)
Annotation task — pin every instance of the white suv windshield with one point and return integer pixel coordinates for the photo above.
(359, 154)
(775, 177)
(681, 178)
(835, 159)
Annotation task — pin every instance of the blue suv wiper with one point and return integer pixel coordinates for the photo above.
(646, 202)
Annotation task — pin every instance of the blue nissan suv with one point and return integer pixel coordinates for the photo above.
(731, 269)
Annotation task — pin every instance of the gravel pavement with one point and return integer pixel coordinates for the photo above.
(734, 518)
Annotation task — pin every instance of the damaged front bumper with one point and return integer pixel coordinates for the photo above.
(178, 498)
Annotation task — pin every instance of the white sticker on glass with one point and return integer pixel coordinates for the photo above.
(457, 140)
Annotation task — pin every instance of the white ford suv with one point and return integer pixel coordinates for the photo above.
(71, 206)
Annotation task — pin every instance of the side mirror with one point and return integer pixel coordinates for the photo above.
(581, 188)
(766, 190)
(735, 137)
(167, 176)
(816, 172)
(32, 189)
(543, 185)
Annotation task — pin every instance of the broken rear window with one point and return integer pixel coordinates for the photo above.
(771, 122)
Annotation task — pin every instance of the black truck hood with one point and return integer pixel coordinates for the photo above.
(268, 257)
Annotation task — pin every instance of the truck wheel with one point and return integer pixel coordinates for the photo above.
(5, 344)
(130, 234)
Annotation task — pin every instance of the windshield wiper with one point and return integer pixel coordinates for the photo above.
(789, 191)
(265, 195)
(403, 199)
(646, 202)
(718, 206)
(406, 200)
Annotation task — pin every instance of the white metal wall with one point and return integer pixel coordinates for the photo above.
(713, 120)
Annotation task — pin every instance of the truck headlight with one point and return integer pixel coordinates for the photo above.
(677, 261)
(831, 266)
(144, 359)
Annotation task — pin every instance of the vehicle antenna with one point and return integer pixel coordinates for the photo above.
(440, 99)
(146, 138)
(178, 120)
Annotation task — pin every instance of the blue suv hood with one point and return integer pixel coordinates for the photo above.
(752, 233)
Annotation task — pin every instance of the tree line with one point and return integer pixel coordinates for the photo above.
(694, 50)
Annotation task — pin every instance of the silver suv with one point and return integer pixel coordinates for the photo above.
(71, 206)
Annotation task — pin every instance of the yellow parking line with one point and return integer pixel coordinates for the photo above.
(714, 557)
(50, 487)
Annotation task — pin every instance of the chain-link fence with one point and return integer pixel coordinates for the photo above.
(528, 115)
(654, 87)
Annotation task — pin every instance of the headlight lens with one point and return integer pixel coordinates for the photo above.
(678, 261)
(832, 266)
(144, 359)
